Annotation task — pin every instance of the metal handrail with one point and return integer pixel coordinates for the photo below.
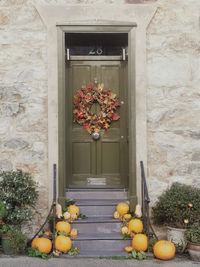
(145, 203)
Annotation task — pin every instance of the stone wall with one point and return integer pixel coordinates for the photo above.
(172, 95)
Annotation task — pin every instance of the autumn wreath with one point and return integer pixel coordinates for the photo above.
(83, 101)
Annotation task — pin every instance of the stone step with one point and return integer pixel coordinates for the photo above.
(101, 242)
(101, 194)
(97, 254)
(97, 225)
(93, 207)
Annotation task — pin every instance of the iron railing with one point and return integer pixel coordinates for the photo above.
(145, 203)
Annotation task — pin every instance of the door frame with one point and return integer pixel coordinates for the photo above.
(53, 16)
(106, 27)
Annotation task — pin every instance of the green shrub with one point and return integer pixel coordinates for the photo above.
(18, 194)
(193, 234)
(178, 206)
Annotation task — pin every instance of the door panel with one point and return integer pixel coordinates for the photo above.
(107, 157)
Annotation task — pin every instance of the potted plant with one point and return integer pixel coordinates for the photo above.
(12, 241)
(192, 236)
(177, 208)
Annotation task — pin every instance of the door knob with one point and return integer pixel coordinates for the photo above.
(96, 136)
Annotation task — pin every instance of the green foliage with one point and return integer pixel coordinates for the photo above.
(193, 234)
(82, 216)
(73, 251)
(177, 204)
(3, 212)
(134, 254)
(18, 193)
(139, 255)
(68, 202)
(57, 233)
(34, 252)
(16, 239)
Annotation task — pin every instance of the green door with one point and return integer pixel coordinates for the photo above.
(102, 163)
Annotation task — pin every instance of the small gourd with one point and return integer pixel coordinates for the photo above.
(138, 211)
(124, 230)
(116, 215)
(128, 249)
(74, 233)
(58, 211)
(66, 215)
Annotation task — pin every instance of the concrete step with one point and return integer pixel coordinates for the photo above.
(102, 194)
(101, 242)
(97, 225)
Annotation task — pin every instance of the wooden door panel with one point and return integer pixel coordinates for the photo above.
(102, 158)
(81, 158)
(110, 154)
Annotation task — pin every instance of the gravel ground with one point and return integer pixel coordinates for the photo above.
(21, 261)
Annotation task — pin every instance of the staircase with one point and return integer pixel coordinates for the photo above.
(99, 235)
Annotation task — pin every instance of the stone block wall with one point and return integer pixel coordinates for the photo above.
(173, 106)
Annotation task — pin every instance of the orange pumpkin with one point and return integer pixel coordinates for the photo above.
(135, 225)
(128, 249)
(164, 250)
(122, 208)
(63, 227)
(140, 242)
(43, 244)
(63, 243)
(73, 209)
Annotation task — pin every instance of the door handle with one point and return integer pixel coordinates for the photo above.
(96, 136)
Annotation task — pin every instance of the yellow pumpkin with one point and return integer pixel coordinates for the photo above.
(74, 233)
(140, 242)
(124, 230)
(122, 208)
(164, 250)
(43, 244)
(66, 215)
(116, 215)
(135, 225)
(127, 216)
(128, 249)
(63, 243)
(73, 209)
(63, 227)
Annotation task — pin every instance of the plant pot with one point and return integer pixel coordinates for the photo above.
(177, 236)
(194, 251)
(7, 246)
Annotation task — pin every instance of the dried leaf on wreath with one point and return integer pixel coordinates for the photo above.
(115, 117)
(112, 96)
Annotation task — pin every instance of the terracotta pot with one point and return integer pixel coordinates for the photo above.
(177, 236)
(194, 251)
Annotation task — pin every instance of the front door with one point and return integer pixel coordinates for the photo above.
(101, 163)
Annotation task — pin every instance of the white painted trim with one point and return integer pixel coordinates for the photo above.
(53, 15)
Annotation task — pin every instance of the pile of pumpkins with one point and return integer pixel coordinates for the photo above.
(163, 249)
(63, 240)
